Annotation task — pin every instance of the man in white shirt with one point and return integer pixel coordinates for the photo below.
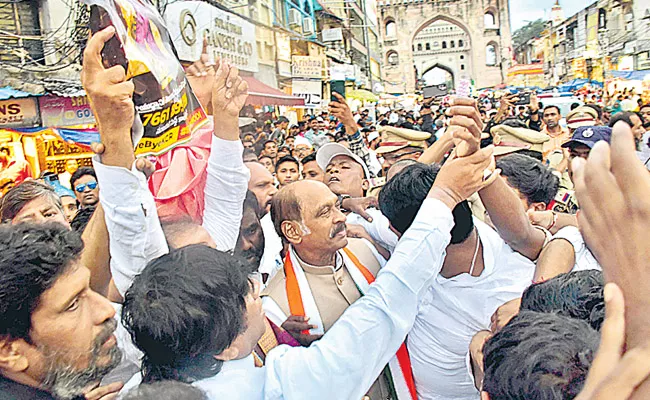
(482, 270)
(212, 345)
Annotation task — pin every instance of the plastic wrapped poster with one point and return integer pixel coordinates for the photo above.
(167, 111)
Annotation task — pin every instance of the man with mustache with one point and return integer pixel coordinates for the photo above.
(250, 244)
(321, 261)
(56, 333)
(262, 185)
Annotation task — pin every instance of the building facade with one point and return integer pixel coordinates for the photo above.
(609, 35)
(483, 26)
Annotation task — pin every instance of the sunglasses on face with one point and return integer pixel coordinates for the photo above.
(82, 187)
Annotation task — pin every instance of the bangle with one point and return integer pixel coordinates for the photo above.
(554, 220)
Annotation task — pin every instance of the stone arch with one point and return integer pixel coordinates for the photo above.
(497, 54)
(390, 28)
(491, 10)
(442, 67)
(445, 18)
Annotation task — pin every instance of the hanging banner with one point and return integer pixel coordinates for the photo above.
(65, 111)
(16, 113)
(229, 36)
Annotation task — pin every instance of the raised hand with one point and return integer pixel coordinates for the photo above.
(465, 125)
(111, 98)
(460, 178)
(200, 75)
(341, 111)
(229, 92)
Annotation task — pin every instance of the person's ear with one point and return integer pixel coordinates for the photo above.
(231, 353)
(292, 232)
(365, 185)
(537, 206)
(485, 396)
(13, 355)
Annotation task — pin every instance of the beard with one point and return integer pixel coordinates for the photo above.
(64, 380)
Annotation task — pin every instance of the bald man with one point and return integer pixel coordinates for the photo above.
(321, 261)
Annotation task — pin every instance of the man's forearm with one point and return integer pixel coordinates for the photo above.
(227, 129)
(436, 152)
(558, 257)
(95, 255)
(118, 147)
(508, 216)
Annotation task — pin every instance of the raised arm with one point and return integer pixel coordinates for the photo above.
(342, 112)
(135, 235)
(501, 202)
(350, 356)
(227, 176)
(436, 152)
(613, 188)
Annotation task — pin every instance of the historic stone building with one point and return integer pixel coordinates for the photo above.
(469, 39)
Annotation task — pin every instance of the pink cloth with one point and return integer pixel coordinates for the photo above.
(178, 182)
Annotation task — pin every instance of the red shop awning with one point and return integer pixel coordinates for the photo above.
(260, 94)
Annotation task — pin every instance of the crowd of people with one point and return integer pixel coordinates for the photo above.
(441, 254)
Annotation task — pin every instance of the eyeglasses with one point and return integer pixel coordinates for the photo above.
(82, 187)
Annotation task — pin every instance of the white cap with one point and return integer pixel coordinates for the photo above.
(301, 140)
(373, 135)
(326, 153)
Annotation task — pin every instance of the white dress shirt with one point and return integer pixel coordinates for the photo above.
(135, 234)
(225, 190)
(135, 238)
(584, 259)
(348, 359)
(457, 308)
(271, 259)
(378, 229)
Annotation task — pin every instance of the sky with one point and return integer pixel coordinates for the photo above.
(522, 11)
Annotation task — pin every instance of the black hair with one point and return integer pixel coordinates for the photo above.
(597, 108)
(539, 356)
(81, 219)
(165, 390)
(249, 153)
(286, 159)
(530, 177)
(624, 116)
(576, 294)
(32, 258)
(183, 309)
(400, 200)
(80, 172)
(16, 198)
(311, 157)
(574, 106)
(556, 107)
(532, 154)
(267, 142)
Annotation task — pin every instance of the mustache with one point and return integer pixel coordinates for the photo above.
(340, 227)
(108, 329)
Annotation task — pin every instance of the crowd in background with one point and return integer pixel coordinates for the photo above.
(468, 249)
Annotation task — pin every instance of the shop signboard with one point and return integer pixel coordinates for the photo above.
(229, 36)
(307, 67)
(65, 111)
(19, 113)
(311, 91)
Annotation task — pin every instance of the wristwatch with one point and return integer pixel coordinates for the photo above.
(339, 202)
